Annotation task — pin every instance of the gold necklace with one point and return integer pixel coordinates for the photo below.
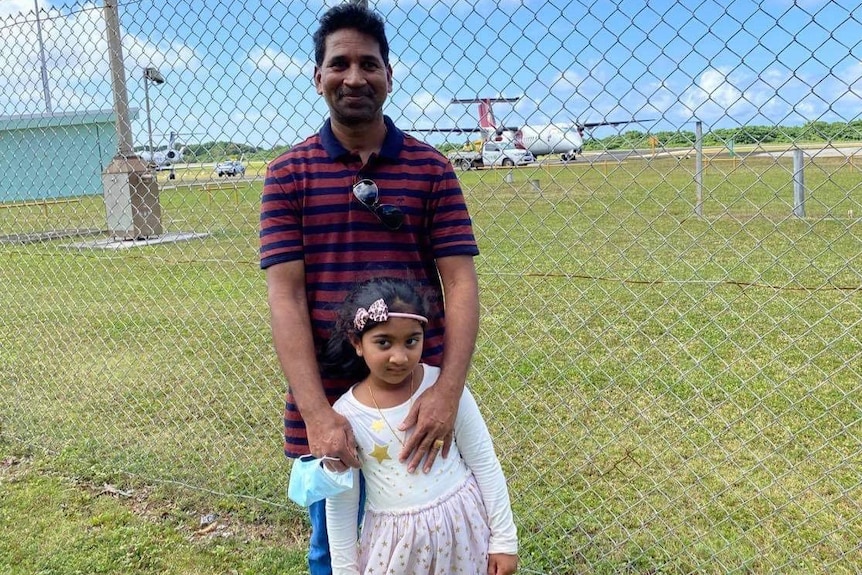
(377, 407)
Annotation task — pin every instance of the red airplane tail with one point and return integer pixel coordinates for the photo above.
(486, 116)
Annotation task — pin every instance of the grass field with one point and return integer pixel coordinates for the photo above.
(668, 393)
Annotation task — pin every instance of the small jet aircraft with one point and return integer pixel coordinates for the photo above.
(164, 159)
(540, 139)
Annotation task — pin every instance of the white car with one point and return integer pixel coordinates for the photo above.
(505, 154)
(230, 168)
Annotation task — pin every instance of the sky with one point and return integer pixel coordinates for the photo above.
(243, 71)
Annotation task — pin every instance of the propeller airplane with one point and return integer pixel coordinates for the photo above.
(566, 139)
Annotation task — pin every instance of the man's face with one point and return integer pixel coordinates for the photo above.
(353, 79)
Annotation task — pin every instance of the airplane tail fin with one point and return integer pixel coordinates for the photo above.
(486, 116)
(172, 141)
(487, 124)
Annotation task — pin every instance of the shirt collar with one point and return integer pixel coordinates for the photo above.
(391, 147)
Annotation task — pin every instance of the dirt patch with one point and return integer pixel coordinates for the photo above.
(194, 525)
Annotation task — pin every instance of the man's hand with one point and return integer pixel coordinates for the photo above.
(330, 434)
(502, 564)
(433, 416)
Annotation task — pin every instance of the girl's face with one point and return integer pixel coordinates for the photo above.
(392, 349)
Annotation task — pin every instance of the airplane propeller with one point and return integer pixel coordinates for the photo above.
(503, 129)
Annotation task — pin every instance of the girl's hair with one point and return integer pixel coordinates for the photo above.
(338, 357)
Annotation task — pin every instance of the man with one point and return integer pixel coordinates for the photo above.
(361, 199)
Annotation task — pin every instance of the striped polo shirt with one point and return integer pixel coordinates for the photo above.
(308, 213)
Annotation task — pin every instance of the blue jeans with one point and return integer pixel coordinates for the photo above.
(319, 560)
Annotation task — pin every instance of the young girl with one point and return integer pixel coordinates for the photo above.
(456, 518)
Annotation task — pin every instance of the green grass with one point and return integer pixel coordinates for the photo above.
(53, 524)
(668, 393)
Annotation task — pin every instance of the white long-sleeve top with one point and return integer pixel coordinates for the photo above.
(390, 488)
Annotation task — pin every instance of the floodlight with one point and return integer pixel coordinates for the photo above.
(153, 75)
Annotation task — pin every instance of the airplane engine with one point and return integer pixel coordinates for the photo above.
(173, 156)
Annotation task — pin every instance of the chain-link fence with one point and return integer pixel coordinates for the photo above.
(669, 354)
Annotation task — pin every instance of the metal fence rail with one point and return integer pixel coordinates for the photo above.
(669, 353)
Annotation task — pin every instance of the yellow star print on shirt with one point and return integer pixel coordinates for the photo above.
(380, 453)
(378, 425)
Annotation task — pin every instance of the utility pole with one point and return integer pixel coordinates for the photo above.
(131, 191)
(45, 89)
(118, 79)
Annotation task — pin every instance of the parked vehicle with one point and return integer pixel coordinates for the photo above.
(492, 154)
(230, 168)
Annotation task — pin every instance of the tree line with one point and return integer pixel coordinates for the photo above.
(217, 151)
(741, 135)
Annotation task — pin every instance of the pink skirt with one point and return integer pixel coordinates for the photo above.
(449, 535)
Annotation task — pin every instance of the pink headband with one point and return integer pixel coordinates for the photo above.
(378, 312)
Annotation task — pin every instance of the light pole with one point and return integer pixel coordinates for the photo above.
(151, 75)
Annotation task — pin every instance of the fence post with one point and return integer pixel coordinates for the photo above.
(798, 184)
(698, 168)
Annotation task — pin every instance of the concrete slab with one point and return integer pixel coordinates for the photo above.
(115, 244)
(47, 236)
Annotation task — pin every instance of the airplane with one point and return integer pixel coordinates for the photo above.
(540, 139)
(164, 160)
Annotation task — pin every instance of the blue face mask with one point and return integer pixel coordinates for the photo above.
(311, 481)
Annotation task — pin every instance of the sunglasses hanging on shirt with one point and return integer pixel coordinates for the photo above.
(368, 194)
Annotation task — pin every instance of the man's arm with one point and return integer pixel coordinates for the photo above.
(434, 412)
(329, 433)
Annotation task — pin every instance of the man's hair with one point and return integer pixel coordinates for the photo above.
(354, 17)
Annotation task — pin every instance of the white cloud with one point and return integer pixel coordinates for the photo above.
(713, 96)
(270, 60)
(16, 7)
(851, 77)
(775, 78)
(399, 69)
(657, 100)
(423, 110)
(717, 88)
(566, 82)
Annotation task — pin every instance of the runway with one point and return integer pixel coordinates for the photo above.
(711, 153)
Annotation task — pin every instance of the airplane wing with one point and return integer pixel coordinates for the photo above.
(462, 130)
(605, 123)
(477, 100)
(445, 130)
